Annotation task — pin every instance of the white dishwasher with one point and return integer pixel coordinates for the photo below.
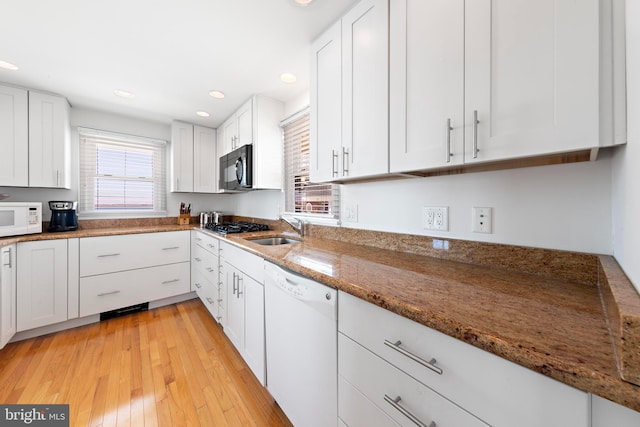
(302, 351)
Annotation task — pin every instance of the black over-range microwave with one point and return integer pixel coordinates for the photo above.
(236, 169)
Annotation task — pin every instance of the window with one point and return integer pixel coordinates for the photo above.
(302, 197)
(121, 175)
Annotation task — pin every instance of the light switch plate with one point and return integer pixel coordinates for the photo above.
(351, 212)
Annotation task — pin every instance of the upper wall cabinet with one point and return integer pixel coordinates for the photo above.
(34, 139)
(349, 96)
(193, 158)
(14, 137)
(482, 81)
(257, 122)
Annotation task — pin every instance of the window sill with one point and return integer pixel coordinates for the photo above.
(313, 219)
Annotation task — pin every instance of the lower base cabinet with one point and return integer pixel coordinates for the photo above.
(605, 413)
(414, 361)
(106, 292)
(7, 294)
(42, 283)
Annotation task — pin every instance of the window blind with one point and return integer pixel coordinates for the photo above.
(301, 195)
(121, 174)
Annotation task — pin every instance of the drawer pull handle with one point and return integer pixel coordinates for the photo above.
(170, 248)
(210, 270)
(107, 255)
(210, 245)
(209, 300)
(198, 285)
(104, 294)
(198, 259)
(404, 411)
(166, 282)
(431, 364)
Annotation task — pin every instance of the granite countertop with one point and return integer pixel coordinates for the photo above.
(551, 311)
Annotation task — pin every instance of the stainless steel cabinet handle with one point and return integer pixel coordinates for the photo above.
(431, 364)
(210, 245)
(170, 248)
(234, 288)
(198, 259)
(57, 178)
(166, 282)
(107, 255)
(345, 165)
(404, 411)
(178, 184)
(219, 300)
(209, 269)
(448, 153)
(239, 291)
(197, 285)
(108, 293)
(475, 134)
(9, 264)
(209, 300)
(334, 163)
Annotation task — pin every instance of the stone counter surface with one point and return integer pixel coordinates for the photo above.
(572, 317)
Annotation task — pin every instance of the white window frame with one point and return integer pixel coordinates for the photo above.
(289, 187)
(88, 140)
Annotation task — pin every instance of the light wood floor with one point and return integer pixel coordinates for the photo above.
(171, 366)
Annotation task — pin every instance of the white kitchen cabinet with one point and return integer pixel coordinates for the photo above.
(325, 121)
(49, 141)
(181, 157)
(14, 137)
(605, 413)
(245, 306)
(349, 96)
(365, 90)
(257, 122)
(41, 283)
(205, 273)
(484, 81)
(194, 164)
(205, 161)
(498, 392)
(7, 294)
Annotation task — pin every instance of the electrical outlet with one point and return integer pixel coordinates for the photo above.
(351, 212)
(482, 218)
(435, 218)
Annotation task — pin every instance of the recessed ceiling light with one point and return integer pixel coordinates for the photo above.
(203, 114)
(7, 66)
(123, 93)
(288, 77)
(303, 2)
(216, 94)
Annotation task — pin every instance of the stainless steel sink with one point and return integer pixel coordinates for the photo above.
(274, 241)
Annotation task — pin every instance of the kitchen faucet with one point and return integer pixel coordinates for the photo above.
(297, 224)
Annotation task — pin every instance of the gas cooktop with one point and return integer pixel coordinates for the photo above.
(237, 227)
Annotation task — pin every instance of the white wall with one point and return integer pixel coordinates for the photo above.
(626, 173)
(561, 206)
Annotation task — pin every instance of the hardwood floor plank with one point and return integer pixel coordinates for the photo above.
(170, 366)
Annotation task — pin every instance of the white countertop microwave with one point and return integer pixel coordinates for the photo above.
(18, 218)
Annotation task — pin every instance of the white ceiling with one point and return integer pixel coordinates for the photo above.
(169, 53)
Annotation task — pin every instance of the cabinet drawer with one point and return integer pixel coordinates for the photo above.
(492, 388)
(115, 290)
(379, 381)
(109, 254)
(249, 264)
(355, 410)
(205, 262)
(206, 241)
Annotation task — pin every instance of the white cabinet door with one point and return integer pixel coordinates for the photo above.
(14, 133)
(181, 157)
(532, 75)
(49, 141)
(234, 328)
(326, 105)
(244, 122)
(365, 89)
(42, 283)
(7, 294)
(254, 347)
(426, 78)
(205, 161)
(230, 127)
(605, 413)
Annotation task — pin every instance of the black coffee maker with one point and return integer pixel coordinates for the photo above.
(64, 216)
